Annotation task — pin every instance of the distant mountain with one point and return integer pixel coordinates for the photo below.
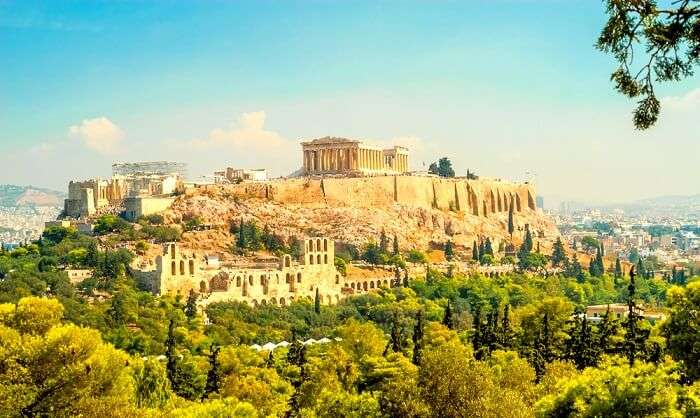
(692, 200)
(12, 195)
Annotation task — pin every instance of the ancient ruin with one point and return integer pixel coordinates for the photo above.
(278, 282)
(330, 155)
(138, 187)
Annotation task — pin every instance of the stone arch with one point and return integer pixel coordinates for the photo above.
(191, 265)
(325, 258)
(318, 244)
(386, 283)
(238, 281)
(182, 267)
(311, 259)
(325, 244)
(371, 284)
(263, 302)
(364, 286)
(202, 287)
(310, 245)
(318, 259)
(250, 280)
(273, 301)
(172, 269)
(352, 285)
(283, 302)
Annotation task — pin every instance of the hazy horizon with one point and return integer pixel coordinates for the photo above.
(495, 89)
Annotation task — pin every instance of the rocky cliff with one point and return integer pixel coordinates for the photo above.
(419, 210)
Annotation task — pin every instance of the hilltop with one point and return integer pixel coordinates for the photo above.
(421, 212)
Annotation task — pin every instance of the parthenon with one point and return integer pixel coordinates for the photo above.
(330, 155)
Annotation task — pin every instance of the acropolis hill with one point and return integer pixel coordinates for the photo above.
(419, 210)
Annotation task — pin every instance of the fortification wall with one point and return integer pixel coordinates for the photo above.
(474, 197)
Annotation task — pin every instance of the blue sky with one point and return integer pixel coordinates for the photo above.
(504, 88)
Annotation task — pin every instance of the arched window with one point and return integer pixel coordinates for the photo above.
(325, 258)
(282, 302)
(311, 245)
(311, 259)
(191, 267)
(371, 285)
(172, 251)
(238, 281)
(172, 269)
(325, 244)
(364, 285)
(182, 267)
(352, 285)
(318, 244)
(298, 277)
(318, 259)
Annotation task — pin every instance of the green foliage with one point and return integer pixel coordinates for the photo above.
(111, 223)
(665, 36)
(442, 168)
(415, 256)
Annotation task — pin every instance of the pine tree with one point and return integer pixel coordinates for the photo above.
(635, 338)
(418, 339)
(475, 252)
(383, 243)
(449, 251)
(640, 268)
(396, 246)
(584, 351)
(447, 320)
(618, 268)
(558, 253)
(511, 225)
(191, 305)
(317, 303)
(214, 374)
(405, 278)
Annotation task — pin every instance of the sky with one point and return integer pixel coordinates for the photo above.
(512, 89)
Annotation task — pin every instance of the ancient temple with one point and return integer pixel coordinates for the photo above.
(332, 155)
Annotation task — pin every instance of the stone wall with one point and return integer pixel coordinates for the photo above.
(474, 197)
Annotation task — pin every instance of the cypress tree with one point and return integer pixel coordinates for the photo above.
(488, 247)
(296, 357)
(396, 246)
(191, 305)
(396, 335)
(449, 251)
(405, 278)
(397, 276)
(383, 243)
(475, 252)
(418, 339)
(477, 337)
(640, 268)
(242, 242)
(635, 339)
(618, 268)
(511, 225)
(92, 257)
(538, 247)
(607, 328)
(214, 374)
(317, 303)
(506, 332)
(447, 320)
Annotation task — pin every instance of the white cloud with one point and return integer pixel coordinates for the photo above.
(98, 134)
(248, 132)
(689, 101)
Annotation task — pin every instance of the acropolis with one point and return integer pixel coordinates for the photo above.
(331, 155)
